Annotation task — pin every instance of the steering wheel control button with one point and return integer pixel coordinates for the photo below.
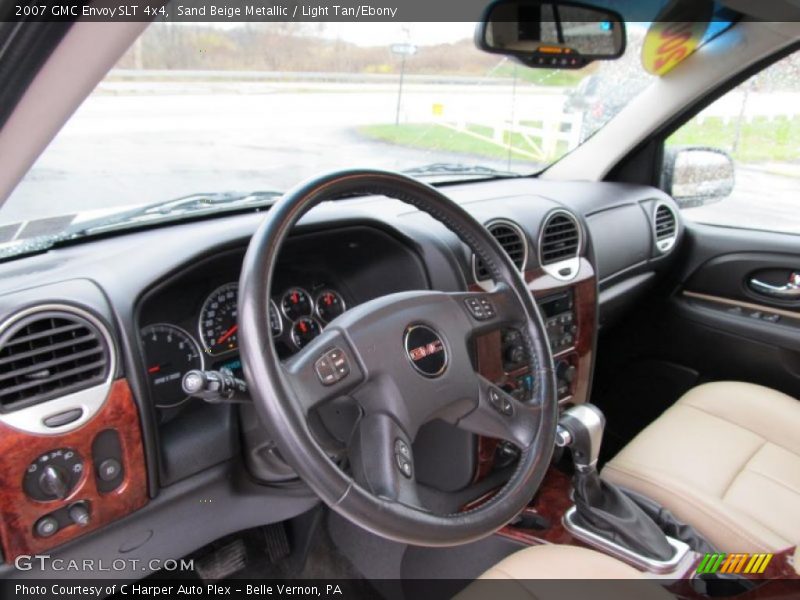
(46, 526)
(480, 308)
(425, 350)
(109, 469)
(63, 418)
(500, 403)
(338, 361)
(402, 456)
(402, 449)
(324, 370)
(332, 366)
(404, 465)
(474, 306)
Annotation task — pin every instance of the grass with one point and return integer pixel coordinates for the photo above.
(432, 136)
(544, 77)
(760, 140)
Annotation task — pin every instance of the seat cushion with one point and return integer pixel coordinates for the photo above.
(725, 459)
(526, 572)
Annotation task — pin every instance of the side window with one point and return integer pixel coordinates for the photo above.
(737, 162)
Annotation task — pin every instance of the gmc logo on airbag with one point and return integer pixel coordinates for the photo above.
(426, 350)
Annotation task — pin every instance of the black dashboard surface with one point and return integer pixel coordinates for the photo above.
(360, 248)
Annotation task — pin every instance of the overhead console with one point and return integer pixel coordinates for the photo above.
(71, 454)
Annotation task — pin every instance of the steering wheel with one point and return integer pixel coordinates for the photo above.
(405, 359)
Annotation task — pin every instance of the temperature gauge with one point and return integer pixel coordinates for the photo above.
(305, 330)
(329, 305)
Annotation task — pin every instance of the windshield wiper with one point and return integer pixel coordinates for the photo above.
(443, 169)
(195, 205)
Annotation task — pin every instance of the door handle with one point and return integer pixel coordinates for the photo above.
(788, 291)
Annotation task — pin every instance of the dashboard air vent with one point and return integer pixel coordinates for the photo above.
(512, 240)
(665, 226)
(560, 238)
(47, 354)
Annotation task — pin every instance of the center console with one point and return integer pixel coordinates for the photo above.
(569, 310)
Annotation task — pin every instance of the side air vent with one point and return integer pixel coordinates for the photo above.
(48, 354)
(665, 225)
(512, 240)
(560, 238)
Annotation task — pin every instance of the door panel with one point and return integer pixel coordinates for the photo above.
(722, 324)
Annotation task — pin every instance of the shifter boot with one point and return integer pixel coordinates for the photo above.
(606, 511)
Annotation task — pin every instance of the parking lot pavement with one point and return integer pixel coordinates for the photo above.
(129, 149)
(760, 200)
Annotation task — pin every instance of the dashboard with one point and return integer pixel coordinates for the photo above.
(158, 302)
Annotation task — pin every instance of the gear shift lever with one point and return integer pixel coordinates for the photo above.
(581, 429)
(601, 508)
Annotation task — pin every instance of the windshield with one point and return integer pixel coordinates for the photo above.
(194, 109)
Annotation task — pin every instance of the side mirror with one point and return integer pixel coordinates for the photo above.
(551, 33)
(695, 175)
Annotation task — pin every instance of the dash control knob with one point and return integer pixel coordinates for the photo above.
(79, 513)
(566, 372)
(53, 475)
(53, 482)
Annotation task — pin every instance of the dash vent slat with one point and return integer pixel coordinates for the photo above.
(665, 228)
(560, 239)
(49, 354)
(512, 241)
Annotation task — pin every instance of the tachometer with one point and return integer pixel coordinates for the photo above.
(329, 305)
(218, 320)
(296, 303)
(305, 330)
(169, 353)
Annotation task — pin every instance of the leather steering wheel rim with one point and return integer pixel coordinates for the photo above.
(279, 391)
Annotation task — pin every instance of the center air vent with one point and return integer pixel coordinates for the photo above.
(48, 354)
(665, 225)
(512, 240)
(560, 238)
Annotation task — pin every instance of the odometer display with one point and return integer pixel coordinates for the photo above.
(305, 330)
(169, 353)
(296, 303)
(218, 320)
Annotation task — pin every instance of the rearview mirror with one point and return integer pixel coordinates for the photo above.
(695, 175)
(551, 34)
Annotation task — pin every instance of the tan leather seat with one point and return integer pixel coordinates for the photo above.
(725, 459)
(525, 571)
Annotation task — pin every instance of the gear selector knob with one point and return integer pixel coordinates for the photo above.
(584, 425)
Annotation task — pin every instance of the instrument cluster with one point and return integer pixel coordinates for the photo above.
(296, 316)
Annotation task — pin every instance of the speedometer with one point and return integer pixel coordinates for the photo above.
(218, 320)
